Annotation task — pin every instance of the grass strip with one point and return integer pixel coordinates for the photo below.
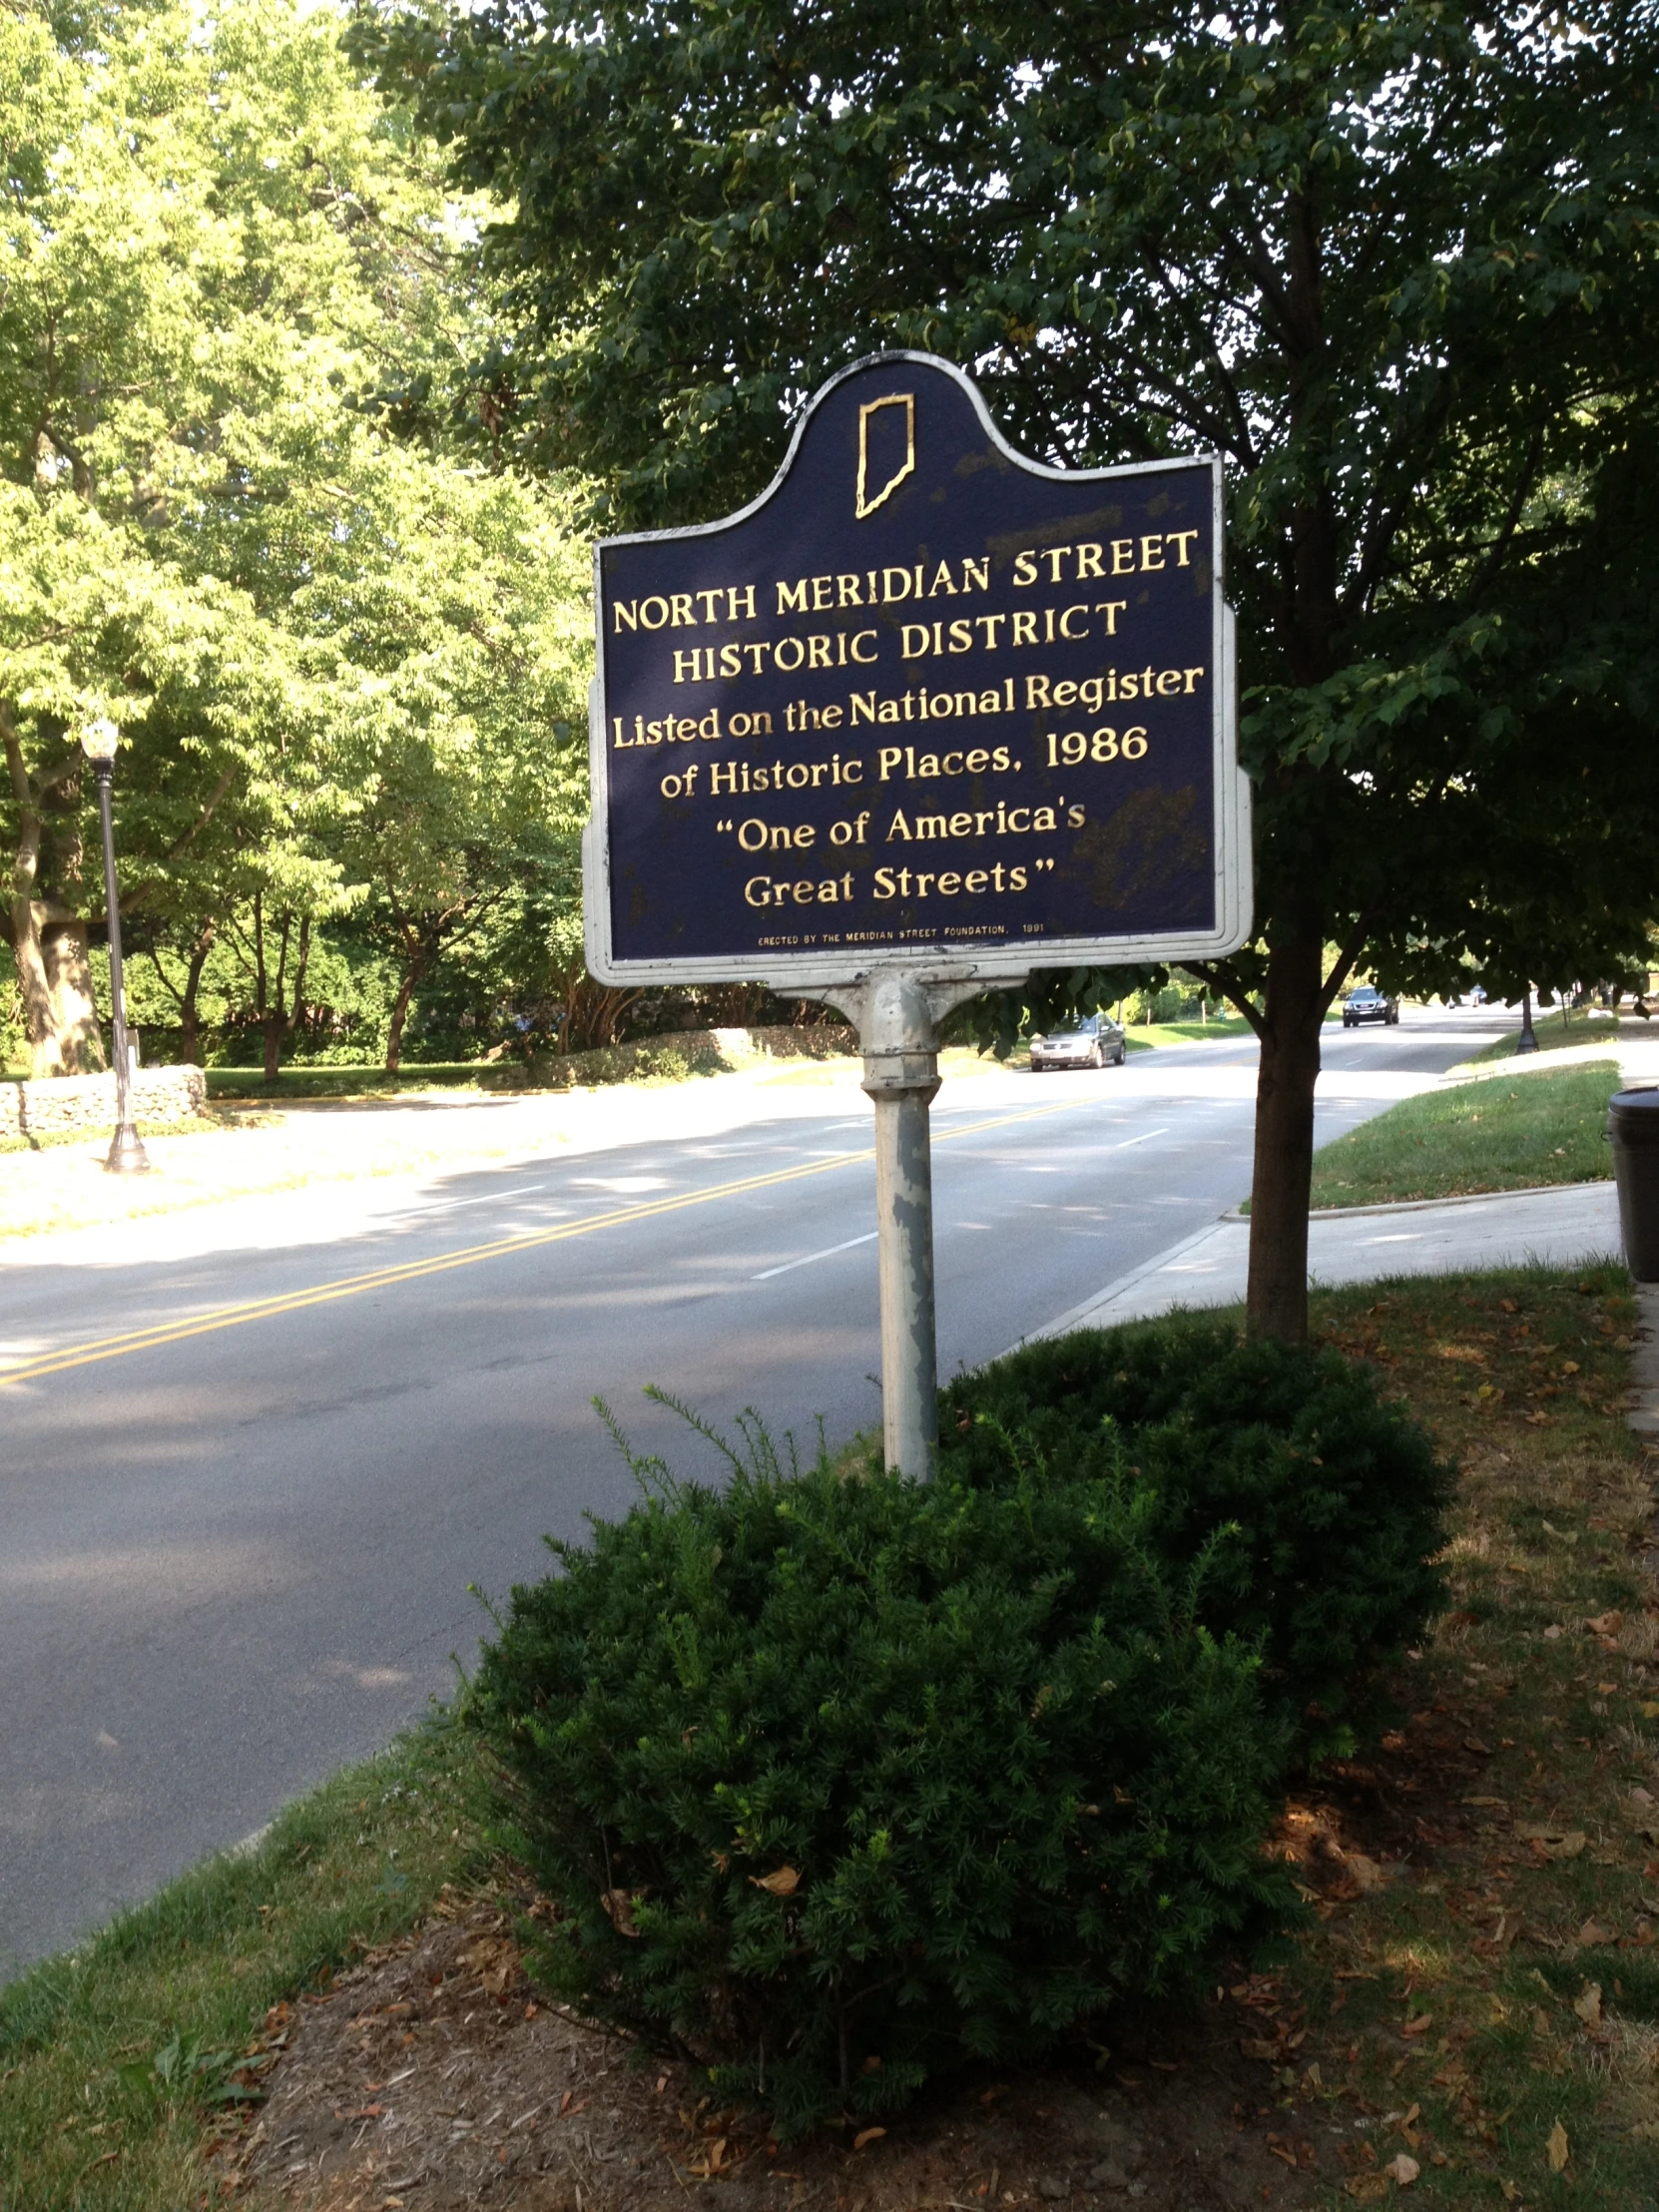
(121, 2061)
(1562, 1029)
(1216, 1029)
(1490, 2007)
(1488, 1135)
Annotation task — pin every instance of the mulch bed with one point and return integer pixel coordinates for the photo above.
(434, 2077)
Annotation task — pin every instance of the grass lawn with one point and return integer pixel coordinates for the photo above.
(1479, 1991)
(116, 2059)
(360, 1082)
(1556, 1030)
(1489, 1135)
(1219, 1026)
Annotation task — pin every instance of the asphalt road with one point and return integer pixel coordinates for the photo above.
(238, 1543)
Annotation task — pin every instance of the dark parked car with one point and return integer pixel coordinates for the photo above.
(1366, 1003)
(1096, 1042)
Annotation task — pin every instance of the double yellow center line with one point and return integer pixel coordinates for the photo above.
(413, 1271)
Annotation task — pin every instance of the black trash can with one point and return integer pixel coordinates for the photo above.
(1633, 1125)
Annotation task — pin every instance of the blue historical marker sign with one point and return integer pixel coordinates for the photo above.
(923, 700)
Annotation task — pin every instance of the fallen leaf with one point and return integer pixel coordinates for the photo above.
(1367, 2188)
(783, 1884)
(1402, 2168)
(1267, 2051)
(1556, 1629)
(1551, 1838)
(1420, 2025)
(618, 1910)
(1605, 1624)
(1558, 2149)
(1588, 2004)
(867, 2135)
(1592, 1934)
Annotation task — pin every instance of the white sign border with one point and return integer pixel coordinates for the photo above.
(999, 964)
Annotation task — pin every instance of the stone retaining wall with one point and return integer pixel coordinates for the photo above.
(76, 1105)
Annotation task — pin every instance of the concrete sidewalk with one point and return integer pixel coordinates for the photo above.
(1562, 1227)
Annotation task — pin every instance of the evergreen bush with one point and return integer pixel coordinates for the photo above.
(838, 1780)
(1337, 1500)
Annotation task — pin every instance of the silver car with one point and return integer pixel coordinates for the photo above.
(1096, 1042)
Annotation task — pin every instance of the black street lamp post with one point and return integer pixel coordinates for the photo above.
(1528, 1041)
(127, 1155)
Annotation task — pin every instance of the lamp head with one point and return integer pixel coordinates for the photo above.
(99, 738)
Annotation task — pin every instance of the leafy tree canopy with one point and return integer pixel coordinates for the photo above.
(1396, 263)
(229, 516)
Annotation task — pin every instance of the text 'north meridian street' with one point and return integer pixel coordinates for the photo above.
(989, 715)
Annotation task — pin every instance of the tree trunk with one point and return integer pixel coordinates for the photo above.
(189, 1027)
(277, 1020)
(1292, 1022)
(75, 1041)
(399, 1013)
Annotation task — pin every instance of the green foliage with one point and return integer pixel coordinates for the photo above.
(1397, 264)
(841, 1782)
(1335, 1501)
(1499, 1134)
(348, 668)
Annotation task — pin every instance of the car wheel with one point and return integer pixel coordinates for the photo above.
(1123, 1055)
(1097, 1059)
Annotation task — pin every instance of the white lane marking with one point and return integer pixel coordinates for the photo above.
(806, 1258)
(829, 1250)
(454, 1205)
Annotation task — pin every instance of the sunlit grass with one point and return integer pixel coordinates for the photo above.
(1488, 1135)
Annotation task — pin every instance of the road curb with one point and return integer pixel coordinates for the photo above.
(1420, 1205)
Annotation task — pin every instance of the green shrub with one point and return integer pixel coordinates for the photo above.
(838, 1781)
(1338, 1499)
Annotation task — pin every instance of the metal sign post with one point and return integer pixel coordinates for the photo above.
(923, 716)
